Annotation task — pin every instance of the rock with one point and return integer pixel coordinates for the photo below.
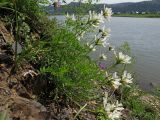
(8, 38)
(19, 108)
(19, 47)
(25, 109)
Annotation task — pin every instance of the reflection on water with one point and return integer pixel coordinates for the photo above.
(143, 36)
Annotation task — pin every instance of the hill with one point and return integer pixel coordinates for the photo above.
(128, 7)
(146, 6)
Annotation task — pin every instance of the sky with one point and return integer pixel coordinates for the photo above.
(103, 1)
(113, 1)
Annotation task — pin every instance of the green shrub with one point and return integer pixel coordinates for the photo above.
(66, 60)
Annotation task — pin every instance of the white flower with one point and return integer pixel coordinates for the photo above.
(87, 44)
(90, 15)
(115, 115)
(107, 13)
(104, 38)
(114, 111)
(78, 38)
(127, 78)
(73, 17)
(67, 16)
(101, 41)
(115, 76)
(93, 48)
(105, 100)
(116, 84)
(109, 107)
(103, 56)
(115, 81)
(105, 43)
(105, 32)
(119, 106)
(106, 74)
(95, 19)
(121, 58)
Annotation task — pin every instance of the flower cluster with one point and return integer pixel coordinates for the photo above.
(105, 32)
(91, 46)
(71, 17)
(107, 13)
(122, 59)
(94, 20)
(114, 111)
(117, 81)
(102, 37)
(126, 78)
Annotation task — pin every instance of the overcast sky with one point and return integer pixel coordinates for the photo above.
(113, 1)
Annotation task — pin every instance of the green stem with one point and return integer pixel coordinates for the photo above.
(15, 10)
(112, 66)
(16, 36)
(79, 111)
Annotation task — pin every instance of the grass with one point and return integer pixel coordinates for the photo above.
(140, 109)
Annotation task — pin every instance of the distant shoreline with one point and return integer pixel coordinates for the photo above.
(129, 15)
(138, 15)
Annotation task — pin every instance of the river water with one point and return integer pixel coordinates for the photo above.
(143, 36)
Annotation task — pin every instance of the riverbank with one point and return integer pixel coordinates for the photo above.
(138, 15)
(53, 78)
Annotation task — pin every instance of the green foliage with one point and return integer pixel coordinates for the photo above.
(3, 116)
(147, 15)
(66, 60)
(139, 110)
(28, 10)
(101, 114)
(28, 7)
(156, 91)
